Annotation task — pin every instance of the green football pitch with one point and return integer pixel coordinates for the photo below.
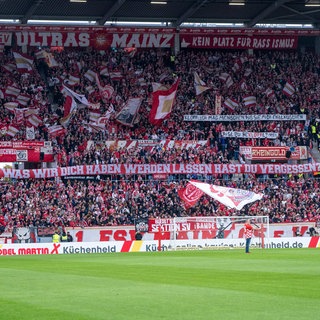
(222, 284)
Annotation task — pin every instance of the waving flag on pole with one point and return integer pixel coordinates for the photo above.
(80, 97)
(162, 102)
(230, 197)
(24, 62)
(199, 85)
(70, 108)
(288, 89)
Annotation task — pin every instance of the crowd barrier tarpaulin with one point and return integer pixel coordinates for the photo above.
(148, 246)
(154, 229)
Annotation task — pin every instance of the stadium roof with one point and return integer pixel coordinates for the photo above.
(172, 12)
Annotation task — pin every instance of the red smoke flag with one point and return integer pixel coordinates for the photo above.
(162, 102)
(190, 195)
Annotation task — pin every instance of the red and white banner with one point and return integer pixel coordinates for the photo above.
(14, 155)
(99, 38)
(273, 153)
(232, 41)
(126, 37)
(24, 144)
(25, 151)
(230, 197)
(129, 169)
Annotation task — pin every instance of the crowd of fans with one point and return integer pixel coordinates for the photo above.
(122, 202)
(122, 199)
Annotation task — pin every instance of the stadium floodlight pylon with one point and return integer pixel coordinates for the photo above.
(209, 232)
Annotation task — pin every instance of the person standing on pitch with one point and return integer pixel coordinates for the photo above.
(248, 233)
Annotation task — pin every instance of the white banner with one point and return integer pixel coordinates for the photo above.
(247, 117)
(249, 135)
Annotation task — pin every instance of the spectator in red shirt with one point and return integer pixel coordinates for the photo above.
(248, 233)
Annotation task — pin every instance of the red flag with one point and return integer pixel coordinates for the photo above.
(190, 195)
(162, 102)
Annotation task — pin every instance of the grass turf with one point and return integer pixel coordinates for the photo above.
(226, 284)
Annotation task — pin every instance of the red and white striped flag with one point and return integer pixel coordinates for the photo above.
(224, 76)
(24, 62)
(288, 89)
(94, 115)
(104, 71)
(72, 80)
(34, 120)
(56, 130)
(12, 130)
(231, 104)
(90, 75)
(269, 93)
(249, 101)
(11, 105)
(116, 76)
(9, 67)
(23, 99)
(229, 82)
(12, 91)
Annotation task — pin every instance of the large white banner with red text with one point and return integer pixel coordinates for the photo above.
(129, 169)
(98, 37)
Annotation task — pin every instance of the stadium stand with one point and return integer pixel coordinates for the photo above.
(119, 199)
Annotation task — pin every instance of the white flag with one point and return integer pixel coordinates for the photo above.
(230, 197)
